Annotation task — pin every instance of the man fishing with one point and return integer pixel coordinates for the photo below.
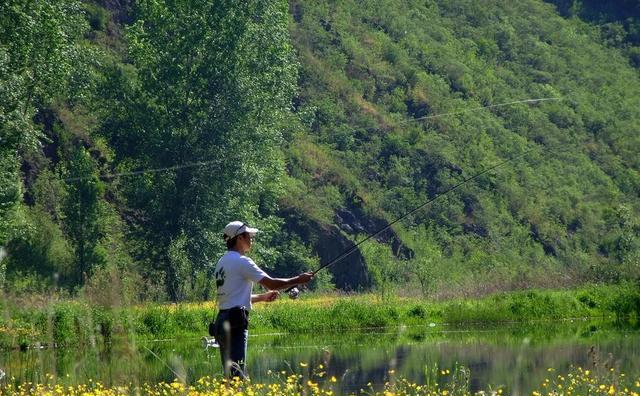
(235, 275)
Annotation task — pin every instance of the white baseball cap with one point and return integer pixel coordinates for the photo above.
(236, 228)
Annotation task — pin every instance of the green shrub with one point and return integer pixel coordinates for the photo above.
(190, 320)
(104, 322)
(626, 303)
(158, 322)
(418, 311)
(62, 325)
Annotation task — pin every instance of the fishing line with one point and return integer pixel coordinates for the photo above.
(414, 210)
(141, 172)
(498, 165)
(478, 109)
(184, 380)
(208, 163)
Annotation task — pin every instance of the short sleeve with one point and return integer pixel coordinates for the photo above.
(251, 271)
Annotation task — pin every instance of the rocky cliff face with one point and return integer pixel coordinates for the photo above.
(329, 241)
(354, 222)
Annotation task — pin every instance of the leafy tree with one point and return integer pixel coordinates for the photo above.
(424, 265)
(37, 51)
(40, 252)
(84, 213)
(10, 195)
(622, 242)
(212, 85)
(383, 267)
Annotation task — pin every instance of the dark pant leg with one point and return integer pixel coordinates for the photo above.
(239, 351)
(233, 345)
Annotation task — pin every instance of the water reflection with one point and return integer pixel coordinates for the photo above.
(516, 356)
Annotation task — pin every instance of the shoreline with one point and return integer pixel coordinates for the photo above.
(76, 322)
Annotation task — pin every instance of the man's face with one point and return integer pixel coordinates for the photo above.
(247, 240)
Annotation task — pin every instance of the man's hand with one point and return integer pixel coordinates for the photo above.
(304, 278)
(271, 295)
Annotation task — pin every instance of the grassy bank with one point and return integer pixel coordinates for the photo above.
(75, 322)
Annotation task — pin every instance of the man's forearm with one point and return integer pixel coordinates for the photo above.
(278, 283)
(256, 298)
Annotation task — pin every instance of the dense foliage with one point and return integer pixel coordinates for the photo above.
(131, 134)
(37, 59)
(618, 22)
(211, 87)
(565, 211)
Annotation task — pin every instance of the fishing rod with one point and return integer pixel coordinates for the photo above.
(294, 292)
(478, 109)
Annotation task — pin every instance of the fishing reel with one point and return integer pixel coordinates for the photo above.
(294, 293)
(209, 342)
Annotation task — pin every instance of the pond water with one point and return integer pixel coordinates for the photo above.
(516, 356)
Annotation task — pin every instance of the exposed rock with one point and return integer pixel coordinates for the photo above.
(328, 242)
(120, 9)
(548, 248)
(354, 221)
(473, 228)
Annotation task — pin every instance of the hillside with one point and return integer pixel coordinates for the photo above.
(557, 216)
(134, 132)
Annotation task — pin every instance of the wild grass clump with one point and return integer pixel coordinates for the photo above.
(170, 320)
(62, 323)
(333, 314)
(156, 321)
(105, 322)
(621, 301)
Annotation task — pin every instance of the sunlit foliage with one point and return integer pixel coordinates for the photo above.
(288, 113)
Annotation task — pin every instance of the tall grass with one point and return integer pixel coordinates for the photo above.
(77, 322)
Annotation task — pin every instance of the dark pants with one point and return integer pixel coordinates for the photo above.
(231, 332)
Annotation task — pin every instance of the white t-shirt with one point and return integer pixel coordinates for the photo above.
(235, 275)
